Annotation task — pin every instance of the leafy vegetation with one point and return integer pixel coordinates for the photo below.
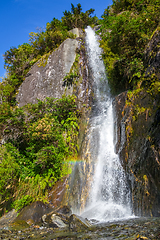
(126, 28)
(40, 139)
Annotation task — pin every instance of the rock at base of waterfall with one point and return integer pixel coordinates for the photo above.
(55, 220)
(77, 223)
(59, 218)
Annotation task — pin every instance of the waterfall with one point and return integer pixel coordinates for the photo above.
(109, 197)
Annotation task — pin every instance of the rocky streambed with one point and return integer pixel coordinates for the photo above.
(138, 228)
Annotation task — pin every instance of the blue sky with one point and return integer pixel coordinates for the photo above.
(20, 17)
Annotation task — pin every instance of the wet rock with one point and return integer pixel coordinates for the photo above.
(20, 224)
(77, 223)
(57, 193)
(53, 220)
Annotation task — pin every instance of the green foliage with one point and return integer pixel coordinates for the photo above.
(9, 170)
(126, 28)
(40, 138)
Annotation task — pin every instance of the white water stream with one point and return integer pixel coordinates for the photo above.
(109, 196)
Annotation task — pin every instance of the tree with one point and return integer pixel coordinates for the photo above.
(78, 19)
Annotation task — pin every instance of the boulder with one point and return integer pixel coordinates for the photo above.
(54, 220)
(59, 218)
(33, 213)
(66, 210)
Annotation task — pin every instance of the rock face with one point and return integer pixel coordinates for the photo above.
(45, 79)
(138, 145)
(136, 123)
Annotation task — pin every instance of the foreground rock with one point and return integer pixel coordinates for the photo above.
(42, 215)
(78, 224)
(54, 220)
(59, 218)
(63, 219)
(33, 213)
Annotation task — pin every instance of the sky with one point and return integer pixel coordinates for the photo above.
(20, 17)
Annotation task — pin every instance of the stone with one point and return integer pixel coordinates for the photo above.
(58, 218)
(77, 223)
(53, 220)
(76, 31)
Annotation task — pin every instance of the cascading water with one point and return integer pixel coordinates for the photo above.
(109, 198)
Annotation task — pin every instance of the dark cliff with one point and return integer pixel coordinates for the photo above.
(138, 137)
